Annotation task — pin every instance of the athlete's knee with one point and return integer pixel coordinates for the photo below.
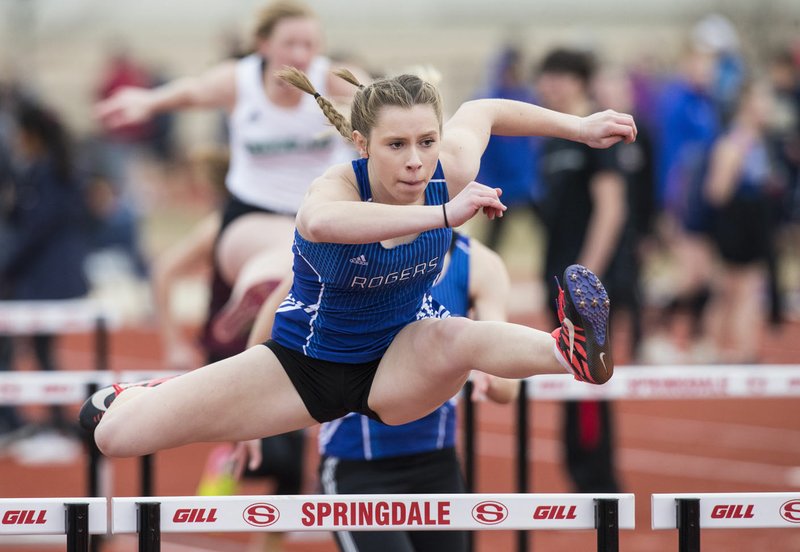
(106, 440)
(112, 440)
(449, 339)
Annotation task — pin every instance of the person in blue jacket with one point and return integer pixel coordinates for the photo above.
(46, 241)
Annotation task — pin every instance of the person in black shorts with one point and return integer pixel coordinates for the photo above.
(584, 211)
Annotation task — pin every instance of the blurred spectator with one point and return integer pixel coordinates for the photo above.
(613, 89)
(10, 421)
(122, 71)
(688, 125)
(584, 210)
(785, 78)
(509, 162)
(113, 229)
(739, 185)
(121, 149)
(161, 142)
(784, 72)
(716, 34)
(46, 241)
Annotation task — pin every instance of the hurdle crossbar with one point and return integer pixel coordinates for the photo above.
(604, 512)
(674, 382)
(689, 513)
(629, 383)
(59, 316)
(63, 386)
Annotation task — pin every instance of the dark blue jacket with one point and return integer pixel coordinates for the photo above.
(47, 244)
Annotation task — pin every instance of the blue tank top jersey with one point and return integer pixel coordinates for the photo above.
(356, 437)
(349, 301)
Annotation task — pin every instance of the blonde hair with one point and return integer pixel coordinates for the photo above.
(401, 91)
(274, 12)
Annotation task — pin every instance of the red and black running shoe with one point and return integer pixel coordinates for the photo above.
(583, 339)
(96, 406)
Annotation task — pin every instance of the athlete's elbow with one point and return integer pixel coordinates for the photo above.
(315, 226)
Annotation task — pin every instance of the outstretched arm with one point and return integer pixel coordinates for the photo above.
(467, 132)
(214, 88)
(333, 212)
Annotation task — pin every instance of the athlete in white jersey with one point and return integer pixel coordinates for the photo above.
(279, 142)
(397, 125)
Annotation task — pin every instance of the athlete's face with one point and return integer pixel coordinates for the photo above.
(403, 150)
(293, 43)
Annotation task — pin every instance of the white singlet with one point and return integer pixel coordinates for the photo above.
(276, 152)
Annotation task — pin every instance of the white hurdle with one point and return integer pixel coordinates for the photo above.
(674, 383)
(149, 516)
(689, 513)
(77, 518)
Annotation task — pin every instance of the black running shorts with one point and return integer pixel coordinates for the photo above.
(329, 390)
(235, 208)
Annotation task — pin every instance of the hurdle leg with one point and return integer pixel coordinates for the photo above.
(149, 515)
(146, 474)
(522, 454)
(470, 437)
(94, 466)
(688, 524)
(77, 527)
(607, 524)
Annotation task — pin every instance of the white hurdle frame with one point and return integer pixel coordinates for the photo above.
(149, 516)
(689, 513)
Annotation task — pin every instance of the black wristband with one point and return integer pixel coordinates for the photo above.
(446, 222)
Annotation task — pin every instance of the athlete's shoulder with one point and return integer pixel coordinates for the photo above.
(337, 180)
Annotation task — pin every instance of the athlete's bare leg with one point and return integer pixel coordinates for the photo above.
(255, 253)
(250, 235)
(429, 361)
(240, 398)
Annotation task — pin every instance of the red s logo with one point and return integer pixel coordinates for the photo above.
(790, 511)
(490, 512)
(261, 514)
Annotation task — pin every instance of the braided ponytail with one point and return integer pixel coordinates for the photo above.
(346, 75)
(403, 91)
(299, 80)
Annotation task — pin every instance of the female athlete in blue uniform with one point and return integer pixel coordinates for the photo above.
(360, 331)
(363, 456)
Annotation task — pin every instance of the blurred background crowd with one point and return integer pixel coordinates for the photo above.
(702, 213)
